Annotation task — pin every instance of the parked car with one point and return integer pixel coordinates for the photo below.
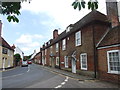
(24, 64)
(29, 62)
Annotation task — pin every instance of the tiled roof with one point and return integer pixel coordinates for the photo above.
(5, 44)
(91, 17)
(112, 38)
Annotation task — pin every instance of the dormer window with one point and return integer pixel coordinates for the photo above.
(68, 29)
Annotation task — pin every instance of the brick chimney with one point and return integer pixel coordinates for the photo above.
(112, 12)
(13, 47)
(55, 34)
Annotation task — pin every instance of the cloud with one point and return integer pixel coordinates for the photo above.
(61, 11)
(29, 42)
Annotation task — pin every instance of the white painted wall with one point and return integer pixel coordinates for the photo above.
(19, 51)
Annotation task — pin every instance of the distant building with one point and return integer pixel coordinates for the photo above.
(17, 50)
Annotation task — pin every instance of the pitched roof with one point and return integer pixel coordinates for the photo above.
(112, 38)
(91, 17)
(5, 44)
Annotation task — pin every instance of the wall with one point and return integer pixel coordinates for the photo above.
(103, 65)
(9, 58)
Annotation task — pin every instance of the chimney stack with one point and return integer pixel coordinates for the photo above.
(55, 34)
(112, 12)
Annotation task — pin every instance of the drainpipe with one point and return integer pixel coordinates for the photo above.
(95, 53)
(59, 54)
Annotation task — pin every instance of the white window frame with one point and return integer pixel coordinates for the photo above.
(45, 51)
(57, 47)
(57, 61)
(111, 51)
(64, 44)
(78, 38)
(66, 61)
(51, 48)
(81, 59)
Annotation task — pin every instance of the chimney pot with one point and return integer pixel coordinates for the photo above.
(55, 34)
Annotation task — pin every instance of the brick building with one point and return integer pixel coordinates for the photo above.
(109, 56)
(78, 48)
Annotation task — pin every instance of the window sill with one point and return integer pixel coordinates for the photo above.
(78, 45)
(85, 69)
(113, 72)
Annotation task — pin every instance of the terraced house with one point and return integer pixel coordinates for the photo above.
(6, 53)
(80, 48)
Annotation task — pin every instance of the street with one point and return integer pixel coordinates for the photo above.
(35, 76)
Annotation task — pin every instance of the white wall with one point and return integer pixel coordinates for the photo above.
(17, 50)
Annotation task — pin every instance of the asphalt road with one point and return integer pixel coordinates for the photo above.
(35, 76)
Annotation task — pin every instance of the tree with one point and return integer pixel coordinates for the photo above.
(12, 9)
(17, 58)
(92, 4)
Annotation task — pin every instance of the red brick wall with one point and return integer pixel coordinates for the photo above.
(103, 65)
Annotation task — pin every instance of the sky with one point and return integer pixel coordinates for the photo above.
(38, 19)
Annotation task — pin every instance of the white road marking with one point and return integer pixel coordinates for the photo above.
(63, 83)
(28, 69)
(59, 86)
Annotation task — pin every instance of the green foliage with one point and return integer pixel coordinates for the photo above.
(17, 57)
(12, 10)
(27, 57)
(81, 4)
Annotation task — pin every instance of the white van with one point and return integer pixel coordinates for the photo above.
(24, 64)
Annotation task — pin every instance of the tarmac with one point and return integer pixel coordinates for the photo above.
(69, 74)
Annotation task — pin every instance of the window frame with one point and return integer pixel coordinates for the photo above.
(57, 62)
(78, 38)
(81, 59)
(64, 44)
(66, 59)
(57, 47)
(108, 61)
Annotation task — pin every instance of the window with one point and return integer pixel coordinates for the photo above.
(45, 51)
(78, 38)
(51, 49)
(64, 44)
(57, 47)
(83, 58)
(68, 29)
(57, 61)
(4, 51)
(113, 61)
(66, 61)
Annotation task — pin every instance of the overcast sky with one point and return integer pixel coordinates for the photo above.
(38, 20)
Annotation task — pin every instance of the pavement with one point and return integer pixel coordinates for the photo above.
(69, 74)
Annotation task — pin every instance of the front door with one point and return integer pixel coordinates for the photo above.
(73, 65)
(53, 62)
